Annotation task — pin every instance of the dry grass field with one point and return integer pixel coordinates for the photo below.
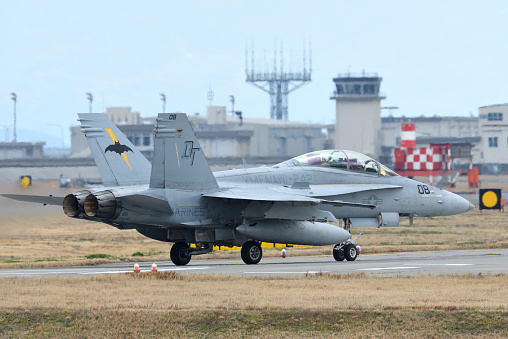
(323, 305)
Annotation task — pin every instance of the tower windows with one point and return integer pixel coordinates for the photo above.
(493, 142)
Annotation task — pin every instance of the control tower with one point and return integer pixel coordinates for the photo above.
(358, 112)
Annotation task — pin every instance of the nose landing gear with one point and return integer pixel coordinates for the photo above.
(346, 250)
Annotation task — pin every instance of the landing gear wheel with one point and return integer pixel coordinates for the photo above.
(180, 254)
(350, 252)
(251, 252)
(338, 253)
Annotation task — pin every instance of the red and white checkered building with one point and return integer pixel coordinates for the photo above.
(433, 160)
(427, 158)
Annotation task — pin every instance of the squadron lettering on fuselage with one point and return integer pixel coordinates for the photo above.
(190, 212)
(280, 179)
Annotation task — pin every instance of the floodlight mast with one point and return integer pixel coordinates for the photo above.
(89, 97)
(278, 83)
(14, 98)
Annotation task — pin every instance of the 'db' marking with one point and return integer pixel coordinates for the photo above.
(190, 151)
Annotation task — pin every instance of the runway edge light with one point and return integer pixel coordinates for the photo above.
(490, 199)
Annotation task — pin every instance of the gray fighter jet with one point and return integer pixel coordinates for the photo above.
(178, 199)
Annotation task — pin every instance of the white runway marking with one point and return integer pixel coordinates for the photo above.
(409, 267)
(303, 272)
(445, 264)
(387, 268)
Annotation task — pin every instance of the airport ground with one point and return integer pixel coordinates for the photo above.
(176, 305)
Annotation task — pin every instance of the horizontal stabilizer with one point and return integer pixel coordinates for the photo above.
(46, 200)
(148, 203)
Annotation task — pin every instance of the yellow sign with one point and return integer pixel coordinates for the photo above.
(490, 199)
(25, 181)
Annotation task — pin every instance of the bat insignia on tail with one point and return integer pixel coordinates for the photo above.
(118, 148)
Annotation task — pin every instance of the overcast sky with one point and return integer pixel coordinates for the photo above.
(435, 57)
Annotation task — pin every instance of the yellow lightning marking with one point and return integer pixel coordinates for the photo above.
(110, 132)
(125, 158)
(177, 156)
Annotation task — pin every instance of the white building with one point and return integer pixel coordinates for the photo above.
(494, 133)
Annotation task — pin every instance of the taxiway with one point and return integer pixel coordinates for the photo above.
(409, 263)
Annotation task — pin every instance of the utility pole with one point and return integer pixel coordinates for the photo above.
(89, 97)
(14, 98)
(163, 98)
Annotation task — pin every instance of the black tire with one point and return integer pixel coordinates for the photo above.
(251, 252)
(350, 252)
(180, 254)
(338, 254)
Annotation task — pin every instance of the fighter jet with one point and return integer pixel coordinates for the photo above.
(179, 199)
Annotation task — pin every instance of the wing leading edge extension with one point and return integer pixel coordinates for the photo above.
(315, 195)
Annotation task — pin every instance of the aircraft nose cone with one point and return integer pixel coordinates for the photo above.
(455, 204)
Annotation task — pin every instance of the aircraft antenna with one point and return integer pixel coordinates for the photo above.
(278, 84)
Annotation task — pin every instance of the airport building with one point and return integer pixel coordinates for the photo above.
(494, 139)
(21, 150)
(220, 134)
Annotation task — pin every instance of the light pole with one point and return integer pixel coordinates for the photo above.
(232, 99)
(89, 97)
(163, 98)
(14, 98)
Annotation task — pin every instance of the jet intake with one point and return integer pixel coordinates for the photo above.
(294, 232)
(73, 204)
(103, 205)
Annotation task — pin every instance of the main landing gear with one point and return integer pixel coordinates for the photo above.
(251, 252)
(181, 252)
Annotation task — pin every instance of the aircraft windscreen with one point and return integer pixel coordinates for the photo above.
(347, 160)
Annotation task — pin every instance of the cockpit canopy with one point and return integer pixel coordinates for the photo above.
(346, 160)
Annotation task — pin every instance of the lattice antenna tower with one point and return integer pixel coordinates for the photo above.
(276, 82)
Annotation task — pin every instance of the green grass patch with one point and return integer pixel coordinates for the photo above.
(138, 254)
(98, 256)
(254, 323)
(471, 243)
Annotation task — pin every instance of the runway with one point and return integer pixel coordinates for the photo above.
(410, 263)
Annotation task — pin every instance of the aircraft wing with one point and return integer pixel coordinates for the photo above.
(333, 190)
(312, 194)
(260, 194)
(46, 200)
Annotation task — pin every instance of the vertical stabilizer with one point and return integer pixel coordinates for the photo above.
(119, 162)
(178, 160)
